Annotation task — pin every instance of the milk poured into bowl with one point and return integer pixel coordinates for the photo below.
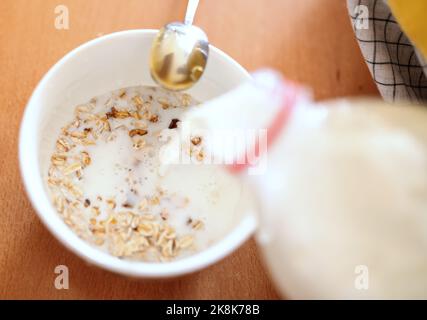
(105, 179)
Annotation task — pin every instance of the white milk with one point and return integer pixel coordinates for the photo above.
(190, 192)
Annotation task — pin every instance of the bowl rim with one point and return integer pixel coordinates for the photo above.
(34, 186)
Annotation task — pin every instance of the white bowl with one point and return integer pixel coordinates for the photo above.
(99, 66)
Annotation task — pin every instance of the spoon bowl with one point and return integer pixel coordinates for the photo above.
(178, 56)
(179, 53)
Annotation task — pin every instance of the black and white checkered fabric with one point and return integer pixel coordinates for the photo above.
(397, 67)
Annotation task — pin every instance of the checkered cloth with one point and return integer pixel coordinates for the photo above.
(397, 67)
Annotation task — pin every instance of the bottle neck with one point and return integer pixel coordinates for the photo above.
(289, 93)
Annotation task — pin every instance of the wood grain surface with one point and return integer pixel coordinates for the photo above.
(310, 41)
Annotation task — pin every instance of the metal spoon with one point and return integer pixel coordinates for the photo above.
(179, 53)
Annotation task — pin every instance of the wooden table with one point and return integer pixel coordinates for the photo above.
(310, 41)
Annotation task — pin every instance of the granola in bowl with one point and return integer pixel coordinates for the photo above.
(104, 179)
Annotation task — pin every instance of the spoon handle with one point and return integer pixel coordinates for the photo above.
(191, 11)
